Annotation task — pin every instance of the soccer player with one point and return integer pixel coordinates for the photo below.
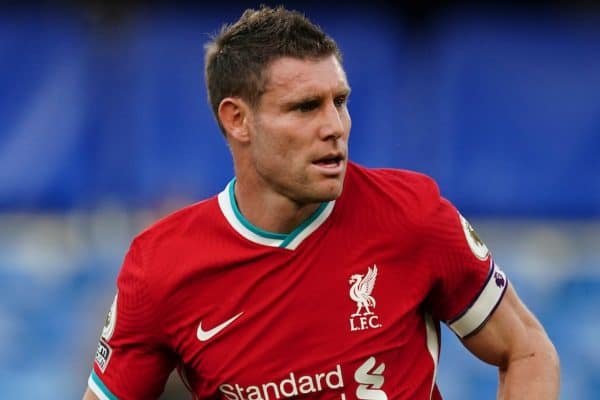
(308, 276)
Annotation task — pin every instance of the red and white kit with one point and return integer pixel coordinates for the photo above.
(347, 306)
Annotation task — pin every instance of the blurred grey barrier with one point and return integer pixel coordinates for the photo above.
(57, 275)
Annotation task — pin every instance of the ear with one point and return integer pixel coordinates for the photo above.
(233, 114)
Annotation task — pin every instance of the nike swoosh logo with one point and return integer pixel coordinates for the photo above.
(203, 335)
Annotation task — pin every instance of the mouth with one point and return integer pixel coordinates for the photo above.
(330, 164)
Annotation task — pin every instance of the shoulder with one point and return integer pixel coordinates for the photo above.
(412, 194)
(392, 180)
(172, 234)
(180, 222)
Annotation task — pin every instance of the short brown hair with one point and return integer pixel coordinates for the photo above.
(237, 57)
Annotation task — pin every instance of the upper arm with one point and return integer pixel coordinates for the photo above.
(512, 332)
(89, 395)
(133, 361)
(466, 283)
(472, 295)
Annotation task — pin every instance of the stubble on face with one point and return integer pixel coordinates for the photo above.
(300, 130)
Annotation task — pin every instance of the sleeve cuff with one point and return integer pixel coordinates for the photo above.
(99, 388)
(474, 317)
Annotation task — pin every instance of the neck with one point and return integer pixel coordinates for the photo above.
(269, 210)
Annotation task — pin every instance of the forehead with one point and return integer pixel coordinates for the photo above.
(289, 77)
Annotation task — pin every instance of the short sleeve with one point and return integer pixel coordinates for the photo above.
(131, 361)
(467, 284)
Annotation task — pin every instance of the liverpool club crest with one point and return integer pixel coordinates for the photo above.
(361, 287)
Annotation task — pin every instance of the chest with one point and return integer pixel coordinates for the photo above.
(282, 324)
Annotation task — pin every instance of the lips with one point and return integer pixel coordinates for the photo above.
(330, 160)
(330, 166)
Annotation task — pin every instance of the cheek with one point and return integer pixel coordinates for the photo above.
(271, 151)
(347, 122)
(280, 143)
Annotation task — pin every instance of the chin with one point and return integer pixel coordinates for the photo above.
(330, 191)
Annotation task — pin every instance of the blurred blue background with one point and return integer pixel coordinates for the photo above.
(104, 127)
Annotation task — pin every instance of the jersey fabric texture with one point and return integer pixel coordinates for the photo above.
(347, 306)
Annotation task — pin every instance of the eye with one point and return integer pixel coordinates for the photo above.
(308, 106)
(340, 101)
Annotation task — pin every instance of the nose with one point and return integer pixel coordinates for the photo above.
(333, 121)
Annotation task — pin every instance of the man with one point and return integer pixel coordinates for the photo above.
(308, 276)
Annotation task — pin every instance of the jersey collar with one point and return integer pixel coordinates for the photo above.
(288, 241)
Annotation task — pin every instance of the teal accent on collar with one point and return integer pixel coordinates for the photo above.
(285, 237)
(245, 222)
(102, 386)
(292, 235)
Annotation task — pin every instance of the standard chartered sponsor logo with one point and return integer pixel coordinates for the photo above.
(370, 381)
(289, 387)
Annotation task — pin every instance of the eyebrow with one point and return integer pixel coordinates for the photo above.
(312, 97)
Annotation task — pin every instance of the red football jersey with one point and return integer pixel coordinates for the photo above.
(347, 306)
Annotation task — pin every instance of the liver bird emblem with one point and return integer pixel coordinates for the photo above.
(361, 289)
